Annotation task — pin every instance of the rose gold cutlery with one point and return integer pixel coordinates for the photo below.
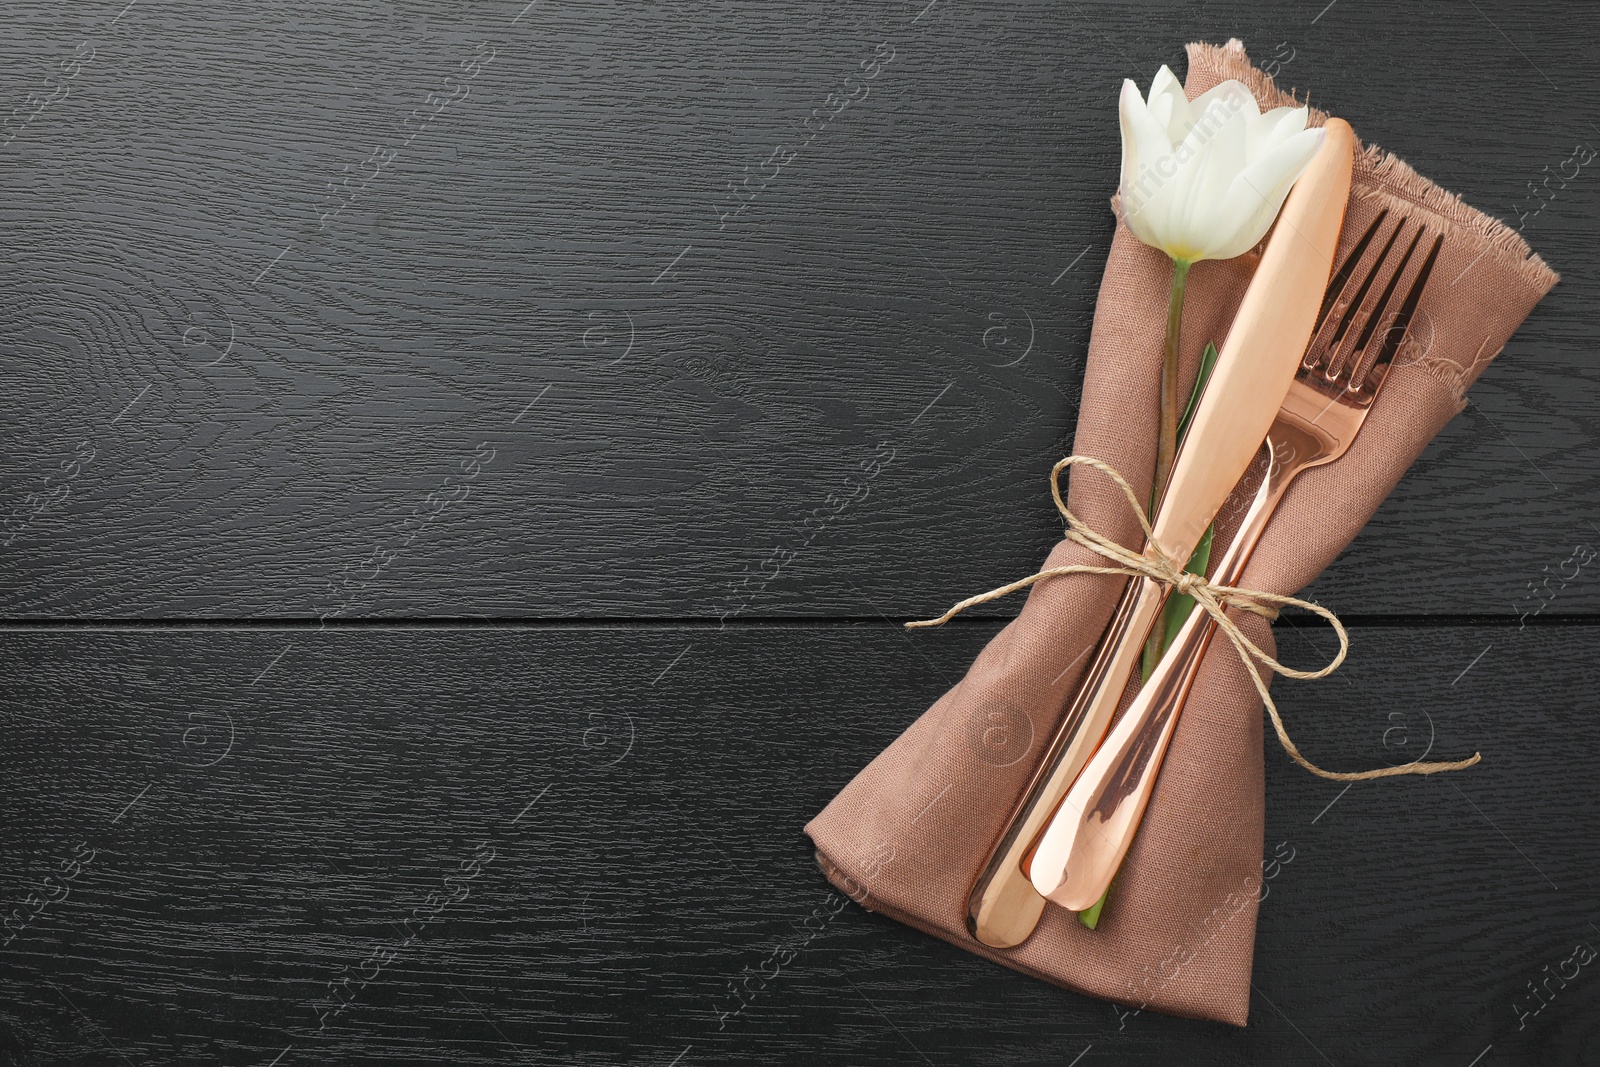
(1365, 312)
(1275, 321)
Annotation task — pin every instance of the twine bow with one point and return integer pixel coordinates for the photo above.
(1213, 599)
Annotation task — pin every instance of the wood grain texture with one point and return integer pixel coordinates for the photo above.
(643, 806)
(271, 398)
(284, 335)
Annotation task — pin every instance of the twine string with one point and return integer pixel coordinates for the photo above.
(1214, 599)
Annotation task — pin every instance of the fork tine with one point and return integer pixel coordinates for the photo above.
(1369, 373)
(1373, 291)
(1373, 311)
(1341, 274)
(1367, 307)
(1346, 289)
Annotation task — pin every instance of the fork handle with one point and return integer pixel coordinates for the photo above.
(1004, 907)
(1082, 848)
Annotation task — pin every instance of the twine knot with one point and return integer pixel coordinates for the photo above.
(1214, 600)
(1186, 582)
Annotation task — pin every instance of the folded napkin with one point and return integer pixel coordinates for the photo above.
(907, 836)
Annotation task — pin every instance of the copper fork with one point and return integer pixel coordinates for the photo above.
(1369, 303)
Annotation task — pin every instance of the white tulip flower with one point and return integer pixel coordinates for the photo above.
(1204, 180)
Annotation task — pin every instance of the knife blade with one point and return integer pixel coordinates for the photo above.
(1251, 378)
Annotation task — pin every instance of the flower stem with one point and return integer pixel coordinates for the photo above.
(1167, 442)
(1167, 439)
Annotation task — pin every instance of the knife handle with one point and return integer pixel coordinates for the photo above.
(1004, 907)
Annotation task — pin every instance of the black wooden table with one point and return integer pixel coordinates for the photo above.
(441, 574)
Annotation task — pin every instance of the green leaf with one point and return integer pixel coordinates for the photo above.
(1091, 918)
(1208, 363)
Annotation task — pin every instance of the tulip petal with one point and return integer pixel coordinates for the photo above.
(1223, 115)
(1170, 105)
(1258, 191)
(1129, 157)
(1144, 147)
(1205, 155)
(1275, 127)
(1232, 93)
(1225, 160)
